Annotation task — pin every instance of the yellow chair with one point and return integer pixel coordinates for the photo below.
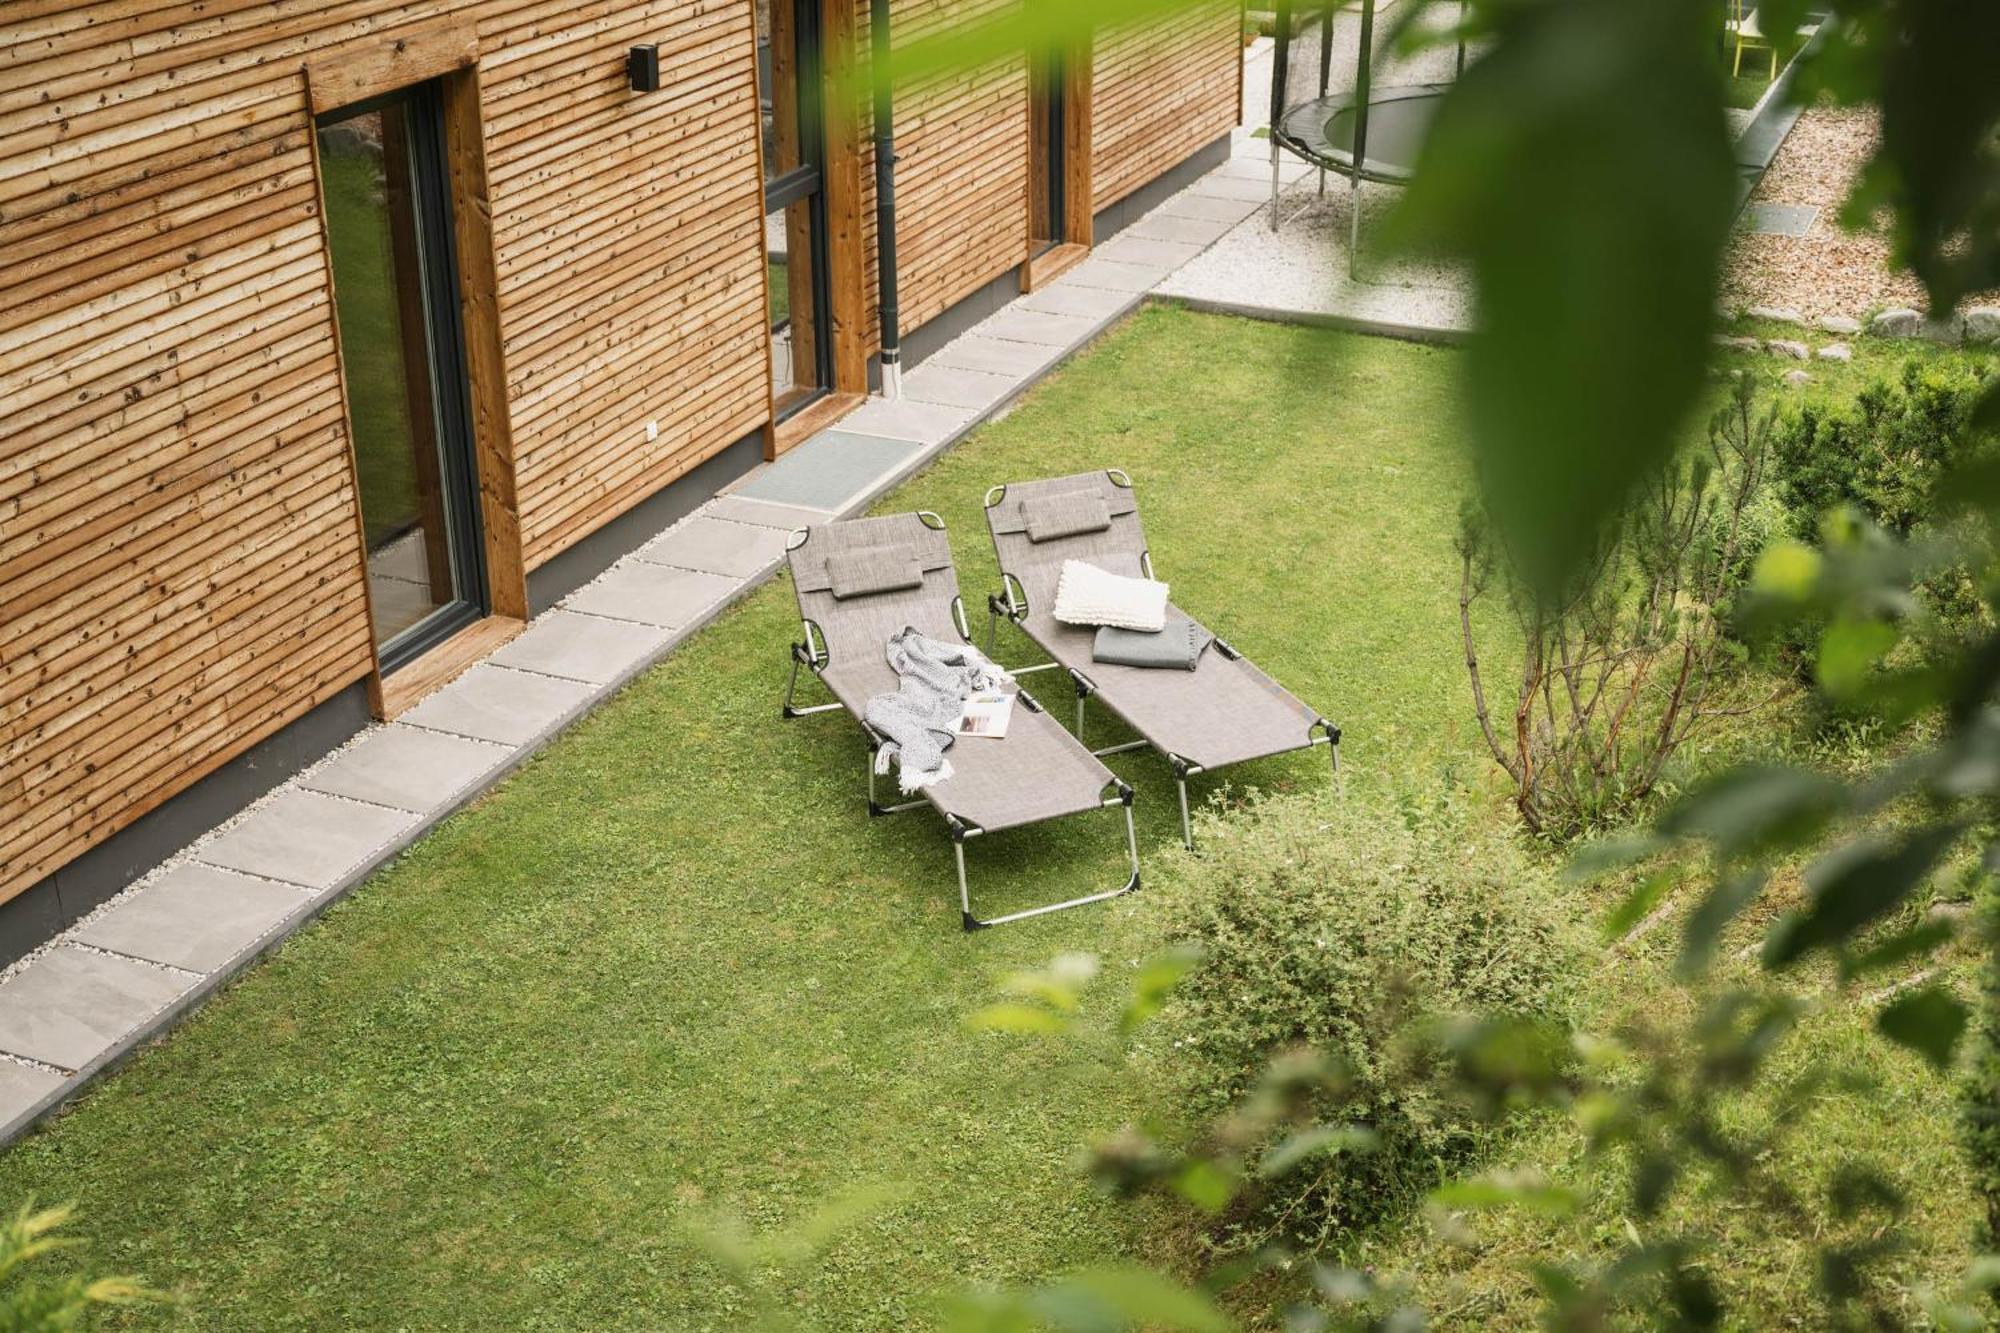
(1743, 26)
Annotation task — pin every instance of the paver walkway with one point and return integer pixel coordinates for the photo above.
(128, 970)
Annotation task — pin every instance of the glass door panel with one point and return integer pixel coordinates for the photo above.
(388, 225)
(1048, 110)
(795, 235)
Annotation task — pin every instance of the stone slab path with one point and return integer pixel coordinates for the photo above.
(122, 975)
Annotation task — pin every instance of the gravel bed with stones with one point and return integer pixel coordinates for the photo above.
(1827, 271)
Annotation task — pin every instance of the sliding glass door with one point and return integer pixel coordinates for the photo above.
(1048, 93)
(383, 172)
(795, 223)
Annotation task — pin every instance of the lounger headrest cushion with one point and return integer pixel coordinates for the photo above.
(1028, 514)
(872, 569)
(1066, 515)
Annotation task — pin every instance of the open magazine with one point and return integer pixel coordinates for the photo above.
(986, 713)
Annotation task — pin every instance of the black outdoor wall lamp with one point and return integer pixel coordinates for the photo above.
(642, 68)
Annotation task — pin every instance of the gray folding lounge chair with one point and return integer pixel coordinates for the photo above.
(1223, 712)
(1037, 771)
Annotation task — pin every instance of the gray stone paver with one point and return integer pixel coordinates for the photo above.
(1018, 324)
(764, 513)
(592, 648)
(1095, 272)
(1234, 187)
(1209, 208)
(1188, 231)
(1092, 303)
(646, 591)
(493, 703)
(22, 1088)
(998, 356)
(716, 546)
(921, 423)
(305, 838)
(954, 386)
(70, 1005)
(409, 768)
(195, 917)
(1126, 248)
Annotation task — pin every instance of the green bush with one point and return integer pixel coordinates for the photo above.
(1885, 452)
(1354, 926)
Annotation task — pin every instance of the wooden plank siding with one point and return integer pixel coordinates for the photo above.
(179, 574)
(1161, 88)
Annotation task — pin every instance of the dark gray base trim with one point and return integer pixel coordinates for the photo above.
(1116, 217)
(563, 574)
(927, 338)
(36, 916)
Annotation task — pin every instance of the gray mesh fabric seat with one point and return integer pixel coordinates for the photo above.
(1223, 712)
(864, 580)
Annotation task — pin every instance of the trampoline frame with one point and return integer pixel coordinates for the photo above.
(1351, 163)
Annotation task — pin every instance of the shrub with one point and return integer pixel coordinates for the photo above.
(1354, 926)
(1629, 660)
(1883, 453)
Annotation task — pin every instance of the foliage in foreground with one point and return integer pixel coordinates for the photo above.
(33, 1305)
(1356, 927)
(1621, 668)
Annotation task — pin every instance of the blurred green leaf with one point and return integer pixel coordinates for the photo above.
(1008, 1016)
(1601, 856)
(1718, 907)
(1898, 948)
(1854, 885)
(1205, 1184)
(1929, 1021)
(1157, 978)
(1581, 168)
(1849, 650)
(1123, 1297)
(1494, 1192)
(1634, 906)
(1320, 1140)
(1756, 808)
(1787, 571)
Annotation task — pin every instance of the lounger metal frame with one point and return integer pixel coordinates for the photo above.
(1005, 604)
(812, 653)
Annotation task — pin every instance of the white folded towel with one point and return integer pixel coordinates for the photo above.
(1087, 595)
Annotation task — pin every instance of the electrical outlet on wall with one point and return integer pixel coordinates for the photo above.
(652, 431)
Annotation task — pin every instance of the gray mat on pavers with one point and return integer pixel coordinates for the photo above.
(1779, 219)
(828, 469)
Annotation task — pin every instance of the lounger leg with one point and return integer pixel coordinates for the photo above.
(1183, 770)
(961, 832)
(790, 709)
(1274, 180)
(874, 808)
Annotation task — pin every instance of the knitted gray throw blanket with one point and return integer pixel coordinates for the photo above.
(920, 719)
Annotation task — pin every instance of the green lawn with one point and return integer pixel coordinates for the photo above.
(670, 972)
(671, 967)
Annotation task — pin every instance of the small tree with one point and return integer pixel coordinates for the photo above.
(1621, 667)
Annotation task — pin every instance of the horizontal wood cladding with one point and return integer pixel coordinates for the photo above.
(961, 169)
(179, 569)
(1162, 88)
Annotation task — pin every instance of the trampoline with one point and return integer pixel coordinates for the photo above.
(1327, 108)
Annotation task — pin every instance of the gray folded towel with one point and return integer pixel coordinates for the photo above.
(1179, 644)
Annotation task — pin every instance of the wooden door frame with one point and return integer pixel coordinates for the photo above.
(1039, 269)
(355, 71)
(840, 186)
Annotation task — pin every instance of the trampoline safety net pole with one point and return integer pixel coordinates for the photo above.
(1282, 37)
(1364, 76)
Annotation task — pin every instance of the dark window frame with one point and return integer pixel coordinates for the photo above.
(451, 379)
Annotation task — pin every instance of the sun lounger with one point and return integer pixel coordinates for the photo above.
(1037, 771)
(1223, 712)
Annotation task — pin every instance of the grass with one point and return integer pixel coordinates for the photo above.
(371, 345)
(670, 976)
(671, 969)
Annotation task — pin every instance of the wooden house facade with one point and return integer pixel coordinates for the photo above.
(338, 337)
